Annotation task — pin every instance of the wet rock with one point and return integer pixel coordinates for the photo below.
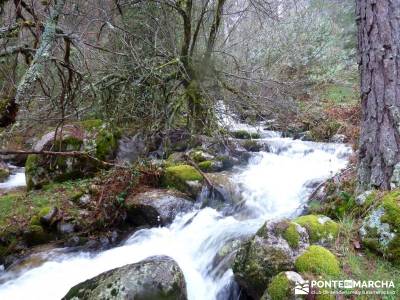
(156, 278)
(380, 230)
(304, 136)
(265, 255)
(183, 178)
(338, 138)
(156, 207)
(282, 287)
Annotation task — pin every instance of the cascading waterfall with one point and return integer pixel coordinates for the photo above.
(274, 184)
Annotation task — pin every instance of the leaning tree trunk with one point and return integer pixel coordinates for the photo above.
(9, 107)
(379, 43)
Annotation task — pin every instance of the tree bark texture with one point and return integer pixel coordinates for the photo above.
(42, 55)
(378, 24)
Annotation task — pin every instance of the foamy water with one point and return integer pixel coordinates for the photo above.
(274, 184)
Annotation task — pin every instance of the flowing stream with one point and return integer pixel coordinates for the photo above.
(274, 184)
(16, 179)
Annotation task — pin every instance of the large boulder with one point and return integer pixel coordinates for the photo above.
(94, 137)
(380, 230)
(272, 250)
(156, 207)
(156, 278)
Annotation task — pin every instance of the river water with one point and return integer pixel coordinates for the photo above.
(274, 184)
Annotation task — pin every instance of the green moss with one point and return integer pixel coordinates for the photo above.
(206, 166)
(91, 124)
(35, 220)
(319, 230)
(291, 235)
(31, 165)
(244, 135)
(106, 144)
(340, 93)
(177, 177)
(198, 156)
(391, 204)
(319, 261)
(9, 206)
(280, 287)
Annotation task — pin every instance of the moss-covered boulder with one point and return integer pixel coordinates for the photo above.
(199, 156)
(252, 145)
(211, 166)
(282, 286)
(380, 230)
(319, 261)
(321, 229)
(97, 139)
(156, 278)
(243, 134)
(265, 255)
(183, 178)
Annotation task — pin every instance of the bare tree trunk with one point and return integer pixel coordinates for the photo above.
(379, 43)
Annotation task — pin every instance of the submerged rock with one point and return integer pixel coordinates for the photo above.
(156, 207)
(267, 254)
(156, 278)
(380, 230)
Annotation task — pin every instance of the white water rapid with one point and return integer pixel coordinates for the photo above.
(273, 184)
(16, 179)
